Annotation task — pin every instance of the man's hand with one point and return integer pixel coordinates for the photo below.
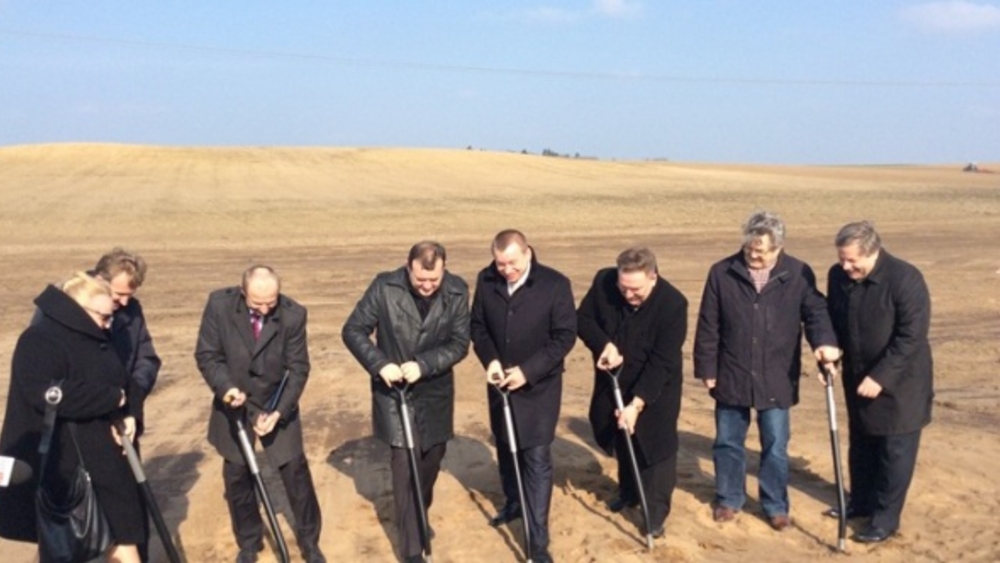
(494, 373)
(869, 388)
(234, 398)
(709, 383)
(514, 379)
(390, 374)
(265, 423)
(827, 368)
(411, 371)
(628, 417)
(610, 358)
(128, 424)
(827, 354)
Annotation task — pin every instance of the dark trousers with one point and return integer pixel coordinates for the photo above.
(536, 473)
(248, 527)
(881, 469)
(428, 467)
(658, 481)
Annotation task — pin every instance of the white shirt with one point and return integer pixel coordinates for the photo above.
(512, 287)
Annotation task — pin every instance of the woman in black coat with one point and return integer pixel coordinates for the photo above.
(69, 346)
(634, 321)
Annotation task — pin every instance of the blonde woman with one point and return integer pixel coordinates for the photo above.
(68, 343)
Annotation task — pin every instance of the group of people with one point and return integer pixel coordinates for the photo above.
(88, 336)
(414, 324)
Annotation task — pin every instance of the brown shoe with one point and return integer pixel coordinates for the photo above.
(723, 514)
(780, 522)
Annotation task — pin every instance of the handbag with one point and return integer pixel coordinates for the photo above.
(73, 528)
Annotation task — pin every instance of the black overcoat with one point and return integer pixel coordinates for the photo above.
(750, 342)
(650, 338)
(436, 343)
(228, 357)
(132, 341)
(534, 329)
(882, 324)
(66, 345)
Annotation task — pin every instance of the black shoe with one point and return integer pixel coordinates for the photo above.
(540, 555)
(659, 532)
(247, 555)
(852, 513)
(510, 511)
(873, 534)
(313, 555)
(621, 503)
(414, 559)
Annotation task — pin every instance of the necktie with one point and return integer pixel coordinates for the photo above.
(257, 322)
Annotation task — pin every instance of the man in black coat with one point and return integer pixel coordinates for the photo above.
(523, 325)
(125, 273)
(420, 314)
(634, 323)
(881, 310)
(252, 352)
(747, 351)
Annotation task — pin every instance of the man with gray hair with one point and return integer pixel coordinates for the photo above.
(747, 351)
(881, 310)
(252, 351)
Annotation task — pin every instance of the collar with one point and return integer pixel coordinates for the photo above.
(513, 287)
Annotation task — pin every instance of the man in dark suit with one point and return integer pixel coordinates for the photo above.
(634, 322)
(881, 310)
(420, 315)
(125, 272)
(523, 325)
(252, 352)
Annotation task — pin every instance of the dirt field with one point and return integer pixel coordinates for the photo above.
(329, 219)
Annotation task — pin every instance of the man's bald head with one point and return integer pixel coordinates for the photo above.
(261, 286)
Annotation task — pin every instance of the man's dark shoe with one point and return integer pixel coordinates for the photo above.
(873, 534)
(313, 555)
(659, 532)
(723, 514)
(510, 511)
(247, 555)
(852, 513)
(540, 555)
(621, 503)
(414, 559)
(779, 522)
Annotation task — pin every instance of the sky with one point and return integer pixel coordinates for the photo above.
(729, 81)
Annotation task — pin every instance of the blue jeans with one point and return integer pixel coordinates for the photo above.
(729, 455)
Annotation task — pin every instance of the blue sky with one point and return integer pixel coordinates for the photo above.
(781, 81)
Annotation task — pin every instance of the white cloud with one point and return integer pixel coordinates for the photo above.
(596, 9)
(954, 16)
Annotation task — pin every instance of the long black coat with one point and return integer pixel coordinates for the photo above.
(650, 339)
(436, 343)
(882, 324)
(750, 342)
(66, 345)
(534, 329)
(228, 357)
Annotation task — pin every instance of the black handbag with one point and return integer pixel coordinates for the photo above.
(72, 528)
